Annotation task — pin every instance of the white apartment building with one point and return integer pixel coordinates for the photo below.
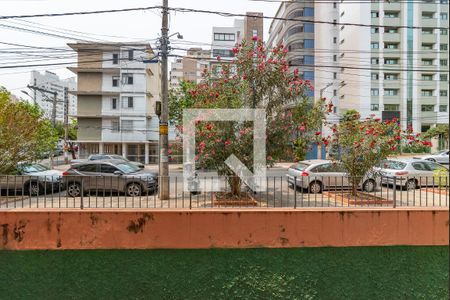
(224, 39)
(117, 93)
(50, 81)
(189, 67)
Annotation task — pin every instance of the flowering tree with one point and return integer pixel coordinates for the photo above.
(257, 77)
(363, 144)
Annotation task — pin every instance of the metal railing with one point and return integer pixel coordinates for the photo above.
(280, 192)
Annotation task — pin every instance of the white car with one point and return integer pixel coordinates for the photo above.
(439, 157)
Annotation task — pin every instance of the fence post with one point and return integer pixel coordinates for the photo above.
(395, 191)
(82, 194)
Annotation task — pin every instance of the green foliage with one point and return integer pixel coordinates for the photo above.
(441, 131)
(72, 130)
(24, 134)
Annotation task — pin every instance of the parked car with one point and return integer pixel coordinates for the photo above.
(112, 175)
(93, 157)
(410, 173)
(318, 175)
(32, 179)
(439, 157)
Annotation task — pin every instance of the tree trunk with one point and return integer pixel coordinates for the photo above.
(235, 185)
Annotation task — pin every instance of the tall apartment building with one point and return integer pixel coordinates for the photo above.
(50, 81)
(388, 70)
(116, 93)
(189, 67)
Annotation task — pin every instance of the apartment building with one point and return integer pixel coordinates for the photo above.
(116, 94)
(51, 82)
(189, 67)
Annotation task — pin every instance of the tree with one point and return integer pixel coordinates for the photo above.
(257, 77)
(72, 130)
(24, 134)
(439, 131)
(363, 144)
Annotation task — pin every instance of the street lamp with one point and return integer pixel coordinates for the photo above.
(26, 93)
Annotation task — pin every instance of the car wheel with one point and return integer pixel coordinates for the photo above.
(369, 186)
(33, 188)
(315, 187)
(74, 189)
(134, 190)
(411, 185)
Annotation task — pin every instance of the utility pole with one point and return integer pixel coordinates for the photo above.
(55, 100)
(66, 123)
(164, 119)
(319, 147)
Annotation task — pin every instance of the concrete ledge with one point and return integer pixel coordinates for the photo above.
(221, 228)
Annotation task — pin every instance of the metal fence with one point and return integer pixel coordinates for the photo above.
(139, 192)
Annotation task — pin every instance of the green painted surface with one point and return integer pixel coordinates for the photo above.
(306, 273)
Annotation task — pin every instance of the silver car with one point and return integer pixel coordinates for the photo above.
(93, 157)
(318, 175)
(33, 180)
(411, 173)
(109, 176)
(439, 157)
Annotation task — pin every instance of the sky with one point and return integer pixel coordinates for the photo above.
(125, 26)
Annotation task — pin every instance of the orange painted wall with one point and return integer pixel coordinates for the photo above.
(148, 229)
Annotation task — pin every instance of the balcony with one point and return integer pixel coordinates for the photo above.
(429, 22)
(428, 38)
(391, 22)
(392, 99)
(427, 99)
(429, 117)
(391, 84)
(394, 6)
(428, 6)
(391, 37)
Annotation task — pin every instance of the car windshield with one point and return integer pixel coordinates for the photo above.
(33, 168)
(440, 152)
(393, 165)
(300, 166)
(127, 168)
(118, 157)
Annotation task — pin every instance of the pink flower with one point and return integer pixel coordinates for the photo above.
(254, 38)
(227, 142)
(235, 50)
(318, 133)
(218, 57)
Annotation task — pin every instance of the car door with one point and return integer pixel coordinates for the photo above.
(91, 175)
(109, 180)
(443, 158)
(422, 173)
(326, 174)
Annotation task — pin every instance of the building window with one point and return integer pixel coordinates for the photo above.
(391, 45)
(334, 92)
(443, 62)
(427, 30)
(295, 30)
(115, 58)
(334, 5)
(342, 41)
(127, 125)
(308, 27)
(334, 22)
(308, 12)
(375, 14)
(443, 31)
(427, 77)
(427, 62)
(308, 44)
(334, 75)
(254, 32)
(130, 55)
(374, 107)
(443, 47)
(334, 40)
(390, 30)
(443, 77)
(308, 59)
(427, 107)
(374, 45)
(374, 61)
(115, 125)
(335, 57)
(427, 15)
(128, 102)
(115, 81)
(295, 14)
(114, 103)
(127, 78)
(224, 36)
(427, 93)
(390, 92)
(391, 107)
(374, 30)
(296, 46)
(444, 16)
(390, 61)
(391, 14)
(374, 92)
(374, 76)
(427, 46)
(222, 53)
(443, 93)
(442, 108)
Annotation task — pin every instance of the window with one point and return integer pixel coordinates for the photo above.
(130, 55)
(222, 52)
(115, 125)
(334, 92)
(88, 168)
(342, 41)
(390, 76)
(308, 75)
(309, 44)
(334, 40)
(390, 30)
(334, 75)
(334, 22)
(308, 59)
(335, 57)
(390, 92)
(115, 81)
(391, 61)
(428, 77)
(114, 103)
(115, 58)
(128, 102)
(443, 93)
(374, 61)
(427, 30)
(295, 30)
(374, 76)
(443, 47)
(443, 77)
(444, 16)
(442, 108)
(427, 93)
(391, 45)
(374, 45)
(391, 107)
(334, 5)
(374, 92)
(374, 30)
(374, 107)
(443, 62)
(104, 168)
(427, 62)
(375, 14)
(443, 31)
(308, 27)
(427, 107)
(308, 12)
(296, 46)
(254, 32)
(127, 78)
(427, 15)
(391, 14)
(127, 125)
(224, 36)
(427, 46)
(295, 14)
